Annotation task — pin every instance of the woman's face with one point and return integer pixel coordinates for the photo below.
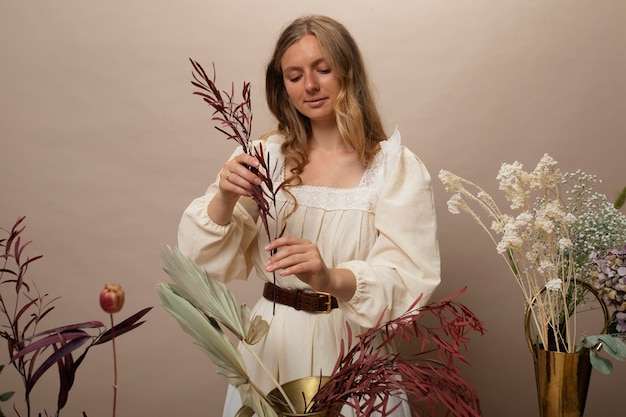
(309, 81)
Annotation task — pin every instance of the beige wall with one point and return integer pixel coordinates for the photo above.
(103, 145)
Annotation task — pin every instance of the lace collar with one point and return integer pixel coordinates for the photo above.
(363, 197)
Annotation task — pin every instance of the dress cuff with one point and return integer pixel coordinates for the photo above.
(198, 209)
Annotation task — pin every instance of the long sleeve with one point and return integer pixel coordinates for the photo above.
(404, 261)
(223, 250)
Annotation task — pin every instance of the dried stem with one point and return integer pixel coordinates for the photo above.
(114, 365)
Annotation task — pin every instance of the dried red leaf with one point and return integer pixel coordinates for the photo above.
(366, 376)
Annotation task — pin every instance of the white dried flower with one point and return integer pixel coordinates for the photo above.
(569, 218)
(545, 267)
(513, 181)
(554, 284)
(449, 180)
(497, 226)
(544, 223)
(565, 243)
(455, 203)
(511, 238)
(546, 175)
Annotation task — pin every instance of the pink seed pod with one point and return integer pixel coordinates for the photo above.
(112, 298)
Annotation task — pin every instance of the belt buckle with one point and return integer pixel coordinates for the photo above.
(329, 303)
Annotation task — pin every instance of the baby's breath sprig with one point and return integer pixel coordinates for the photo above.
(599, 225)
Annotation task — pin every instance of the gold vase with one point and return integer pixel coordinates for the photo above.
(300, 392)
(562, 382)
(562, 378)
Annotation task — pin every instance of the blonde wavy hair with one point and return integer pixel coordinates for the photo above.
(357, 116)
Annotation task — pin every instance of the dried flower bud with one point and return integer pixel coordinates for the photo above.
(112, 298)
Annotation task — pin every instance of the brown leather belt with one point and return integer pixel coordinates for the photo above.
(317, 302)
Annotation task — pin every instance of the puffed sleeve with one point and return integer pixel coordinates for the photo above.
(223, 250)
(404, 261)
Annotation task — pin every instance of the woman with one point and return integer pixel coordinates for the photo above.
(357, 209)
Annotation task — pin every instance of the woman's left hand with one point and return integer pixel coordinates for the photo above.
(300, 257)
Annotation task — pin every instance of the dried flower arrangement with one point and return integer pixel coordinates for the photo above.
(365, 377)
(27, 345)
(557, 222)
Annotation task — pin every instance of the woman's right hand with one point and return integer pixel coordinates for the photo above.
(236, 180)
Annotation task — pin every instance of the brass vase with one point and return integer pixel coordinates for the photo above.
(562, 378)
(300, 392)
(562, 382)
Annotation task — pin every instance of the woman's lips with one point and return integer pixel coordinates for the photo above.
(316, 102)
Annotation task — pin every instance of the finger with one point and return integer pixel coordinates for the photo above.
(295, 253)
(230, 183)
(247, 160)
(240, 173)
(275, 244)
(289, 264)
(285, 241)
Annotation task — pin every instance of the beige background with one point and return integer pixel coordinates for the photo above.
(103, 145)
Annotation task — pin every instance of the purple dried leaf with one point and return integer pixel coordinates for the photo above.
(35, 319)
(59, 353)
(15, 232)
(52, 339)
(123, 327)
(22, 310)
(61, 330)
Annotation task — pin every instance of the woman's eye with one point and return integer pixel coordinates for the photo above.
(324, 70)
(295, 79)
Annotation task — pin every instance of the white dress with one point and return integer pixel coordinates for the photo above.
(383, 230)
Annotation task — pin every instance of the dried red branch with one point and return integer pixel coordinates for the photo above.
(234, 119)
(367, 376)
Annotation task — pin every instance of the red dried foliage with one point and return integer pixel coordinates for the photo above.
(234, 119)
(366, 376)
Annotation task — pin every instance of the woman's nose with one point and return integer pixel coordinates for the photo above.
(310, 82)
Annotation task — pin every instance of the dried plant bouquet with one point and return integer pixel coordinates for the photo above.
(33, 351)
(556, 221)
(365, 376)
